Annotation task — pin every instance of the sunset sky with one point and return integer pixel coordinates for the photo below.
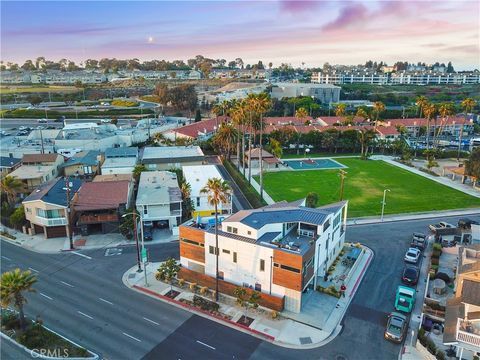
(338, 32)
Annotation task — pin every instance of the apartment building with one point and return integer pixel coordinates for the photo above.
(462, 320)
(326, 93)
(46, 207)
(197, 176)
(279, 250)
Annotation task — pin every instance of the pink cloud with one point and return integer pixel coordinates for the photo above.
(295, 7)
(349, 15)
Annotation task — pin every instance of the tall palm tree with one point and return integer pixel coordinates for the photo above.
(263, 104)
(468, 104)
(238, 118)
(444, 110)
(12, 286)
(421, 101)
(429, 111)
(11, 186)
(362, 113)
(301, 113)
(224, 138)
(378, 107)
(341, 110)
(218, 192)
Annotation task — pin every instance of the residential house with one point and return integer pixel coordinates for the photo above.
(159, 199)
(168, 157)
(268, 159)
(279, 250)
(197, 176)
(100, 205)
(121, 152)
(114, 177)
(118, 165)
(8, 164)
(85, 164)
(37, 169)
(462, 316)
(55, 160)
(46, 207)
(202, 130)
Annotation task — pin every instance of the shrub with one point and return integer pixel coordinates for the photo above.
(193, 287)
(274, 314)
(205, 304)
(431, 345)
(203, 290)
(441, 355)
(436, 254)
(435, 268)
(435, 260)
(181, 282)
(437, 247)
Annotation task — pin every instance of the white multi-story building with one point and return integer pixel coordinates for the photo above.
(324, 92)
(197, 176)
(279, 250)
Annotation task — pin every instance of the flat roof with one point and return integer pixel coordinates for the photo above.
(32, 171)
(198, 175)
(158, 187)
(119, 162)
(171, 153)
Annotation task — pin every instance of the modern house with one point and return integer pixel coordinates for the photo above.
(168, 157)
(46, 207)
(462, 316)
(85, 164)
(159, 199)
(202, 130)
(99, 206)
(197, 176)
(8, 164)
(279, 250)
(118, 165)
(37, 169)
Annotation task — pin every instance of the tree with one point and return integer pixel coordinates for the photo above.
(468, 105)
(218, 192)
(187, 202)
(340, 110)
(366, 137)
(13, 285)
(472, 165)
(378, 107)
(198, 115)
(34, 99)
(137, 170)
(159, 138)
(429, 110)
(421, 101)
(114, 121)
(444, 110)
(18, 217)
(450, 68)
(224, 139)
(275, 148)
(301, 113)
(167, 270)
(240, 293)
(254, 299)
(311, 200)
(11, 186)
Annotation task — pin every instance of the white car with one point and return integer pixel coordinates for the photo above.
(42, 121)
(412, 255)
(440, 225)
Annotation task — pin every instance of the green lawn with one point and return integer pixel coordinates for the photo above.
(301, 155)
(364, 187)
(11, 89)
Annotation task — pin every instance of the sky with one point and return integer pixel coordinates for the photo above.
(294, 32)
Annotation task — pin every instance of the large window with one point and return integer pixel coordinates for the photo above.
(191, 242)
(262, 265)
(288, 268)
(49, 214)
(211, 250)
(234, 257)
(198, 201)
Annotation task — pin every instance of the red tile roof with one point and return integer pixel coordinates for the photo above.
(387, 130)
(286, 120)
(102, 195)
(423, 122)
(204, 126)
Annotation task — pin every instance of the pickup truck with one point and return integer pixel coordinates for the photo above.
(419, 241)
(440, 225)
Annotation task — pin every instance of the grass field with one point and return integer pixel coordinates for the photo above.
(364, 187)
(301, 155)
(37, 89)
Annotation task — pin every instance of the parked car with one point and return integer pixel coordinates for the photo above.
(42, 121)
(410, 275)
(419, 241)
(404, 299)
(440, 225)
(412, 255)
(147, 233)
(396, 327)
(466, 223)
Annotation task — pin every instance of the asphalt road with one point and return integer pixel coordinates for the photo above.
(85, 300)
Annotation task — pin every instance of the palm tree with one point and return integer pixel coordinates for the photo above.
(429, 111)
(365, 137)
(421, 101)
(238, 118)
(160, 138)
(276, 148)
(12, 286)
(224, 138)
(11, 186)
(340, 110)
(218, 192)
(468, 104)
(444, 110)
(263, 103)
(378, 107)
(362, 113)
(301, 113)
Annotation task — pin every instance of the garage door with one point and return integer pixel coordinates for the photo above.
(38, 229)
(56, 231)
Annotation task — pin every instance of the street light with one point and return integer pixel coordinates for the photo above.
(136, 238)
(383, 202)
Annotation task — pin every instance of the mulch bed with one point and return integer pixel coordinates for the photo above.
(245, 320)
(172, 294)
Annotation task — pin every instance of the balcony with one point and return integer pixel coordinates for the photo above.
(97, 218)
(52, 221)
(468, 332)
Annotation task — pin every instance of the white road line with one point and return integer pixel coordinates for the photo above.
(153, 322)
(108, 302)
(6, 258)
(85, 256)
(46, 296)
(88, 316)
(132, 337)
(33, 269)
(211, 347)
(67, 284)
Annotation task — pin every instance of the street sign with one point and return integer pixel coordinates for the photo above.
(144, 255)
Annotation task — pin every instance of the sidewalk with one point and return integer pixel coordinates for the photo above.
(39, 244)
(287, 330)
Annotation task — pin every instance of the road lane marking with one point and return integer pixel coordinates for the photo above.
(33, 269)
(132, 337)
(85, 256)
(88, 316)
(46, 296)
(153, 322)
(67, 284)
(211, 347)
(108, 302)
(6, 258)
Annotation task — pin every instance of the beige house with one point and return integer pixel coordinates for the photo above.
(85, 164)
(46, 207)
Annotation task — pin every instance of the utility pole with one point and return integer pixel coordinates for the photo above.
(144, 250)
(69, 218)
(383, 202)
(342, 175)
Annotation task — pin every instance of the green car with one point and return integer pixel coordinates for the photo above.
(404, 299)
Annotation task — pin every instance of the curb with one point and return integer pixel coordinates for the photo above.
(210, 315)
